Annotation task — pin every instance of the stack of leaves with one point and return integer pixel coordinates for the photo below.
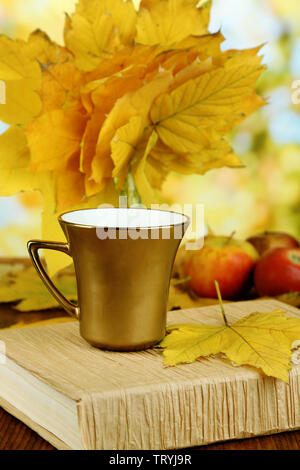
(132, 91)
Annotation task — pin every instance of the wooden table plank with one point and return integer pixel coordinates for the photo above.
(14, 435)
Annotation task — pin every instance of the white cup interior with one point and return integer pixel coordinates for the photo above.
(124, 218)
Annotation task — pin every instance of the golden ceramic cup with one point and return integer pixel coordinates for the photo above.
(123, 261)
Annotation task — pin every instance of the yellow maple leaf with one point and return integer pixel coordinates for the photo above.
(107, 91)
(186, 118)
(155, 172)
(59, 81)
(15, 174)
(143, 185)
(26, 288)
(97, 29)
(207, 45)
(115, 78)
(220, 154)
(70, 188)
(123, 61)
(123, 146)
(117, 9)
(168, 22)
(64, 130)
(22, 77)
(136, 103)
(41, 48)
(262, 340)
(102, 100)
(193, 56)
(89, 141)
(191, 71)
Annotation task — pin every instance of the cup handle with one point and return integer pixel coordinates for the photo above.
(33, 247)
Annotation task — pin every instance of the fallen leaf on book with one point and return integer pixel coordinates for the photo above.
(262, 340)
(27, 288)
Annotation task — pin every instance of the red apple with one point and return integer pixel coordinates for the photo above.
(268, 240)
(224, 259)
(278, 272)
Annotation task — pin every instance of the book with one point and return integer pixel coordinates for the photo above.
(79, 397)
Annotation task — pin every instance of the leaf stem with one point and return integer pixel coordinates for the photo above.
(221, 302)
(131, 191)
(230, 237)
(181, 281)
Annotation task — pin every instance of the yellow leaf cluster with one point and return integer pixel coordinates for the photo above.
(142, 90)
(262, 340)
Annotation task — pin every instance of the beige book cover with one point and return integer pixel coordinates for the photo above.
(80, 397)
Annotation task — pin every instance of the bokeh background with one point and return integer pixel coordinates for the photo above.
(263, 195)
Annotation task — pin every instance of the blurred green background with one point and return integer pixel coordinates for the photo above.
(263, 195)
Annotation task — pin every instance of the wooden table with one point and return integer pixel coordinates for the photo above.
(14, 435)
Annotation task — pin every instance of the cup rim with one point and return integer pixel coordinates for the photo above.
(74, 224)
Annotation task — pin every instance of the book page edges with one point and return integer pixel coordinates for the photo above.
(41, 407)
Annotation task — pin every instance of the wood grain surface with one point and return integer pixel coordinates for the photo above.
(14, 435)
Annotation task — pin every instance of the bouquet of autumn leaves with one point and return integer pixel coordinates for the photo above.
(134, 91)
